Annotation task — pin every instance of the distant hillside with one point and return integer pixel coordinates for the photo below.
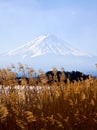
(47, 51)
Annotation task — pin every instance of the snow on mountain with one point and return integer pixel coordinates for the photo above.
(47, 51)
(45, 44)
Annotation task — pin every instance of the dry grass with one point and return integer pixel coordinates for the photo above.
(70, 106)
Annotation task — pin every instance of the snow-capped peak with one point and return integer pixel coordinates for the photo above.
(46, 44)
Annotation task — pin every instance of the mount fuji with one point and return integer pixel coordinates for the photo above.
(45, 44)
(47, 51)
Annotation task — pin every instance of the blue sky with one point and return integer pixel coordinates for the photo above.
(72, 20)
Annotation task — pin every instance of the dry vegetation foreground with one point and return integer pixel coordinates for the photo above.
(56, 106)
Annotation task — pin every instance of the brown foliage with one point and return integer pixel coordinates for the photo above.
(62, 106)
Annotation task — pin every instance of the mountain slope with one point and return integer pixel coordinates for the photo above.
(48, 51)
(46, 44)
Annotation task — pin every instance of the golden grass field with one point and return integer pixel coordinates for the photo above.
(56, 106)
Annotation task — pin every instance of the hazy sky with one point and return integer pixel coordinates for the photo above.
(72, 20)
